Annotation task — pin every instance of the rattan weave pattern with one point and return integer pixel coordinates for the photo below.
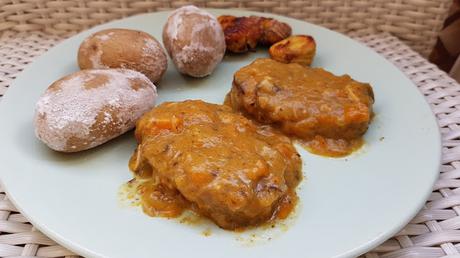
(416, 22)
(434, 232)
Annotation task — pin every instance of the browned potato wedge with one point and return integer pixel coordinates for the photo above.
(242, 33)
(294, 49)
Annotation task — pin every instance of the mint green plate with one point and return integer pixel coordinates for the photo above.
(347, 205)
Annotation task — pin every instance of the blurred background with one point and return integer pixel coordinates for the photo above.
(447, 49)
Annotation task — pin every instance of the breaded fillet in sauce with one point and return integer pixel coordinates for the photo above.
(328, 113)
(205, 157)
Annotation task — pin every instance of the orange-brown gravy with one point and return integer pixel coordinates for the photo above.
(332, 147)
(329, 113)
(158, 201)
(219, 164)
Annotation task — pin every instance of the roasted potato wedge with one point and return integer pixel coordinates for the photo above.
(299, 49)
(242, 34)
(273, 31)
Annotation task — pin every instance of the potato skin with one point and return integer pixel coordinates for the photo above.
(194, 40)
(123, 48)
(90, 107)
(299, 49)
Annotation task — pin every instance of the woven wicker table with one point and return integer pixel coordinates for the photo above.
(434, 232)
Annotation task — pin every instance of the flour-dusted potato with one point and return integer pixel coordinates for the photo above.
(89, 107)
(194, 40)
(122, 48)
